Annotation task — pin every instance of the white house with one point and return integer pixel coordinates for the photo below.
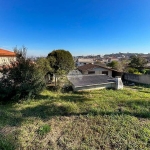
(84, 61)
(95, 69)
(6, 57)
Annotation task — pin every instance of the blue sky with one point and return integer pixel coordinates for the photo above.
(81, 26)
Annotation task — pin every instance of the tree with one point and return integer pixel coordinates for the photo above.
(115, 65)
(43, 65)
(61, 61)
(137, 62)
(22, 80)
(121, 65)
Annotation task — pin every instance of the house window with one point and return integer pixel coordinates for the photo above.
(91, 72)
(105, 72)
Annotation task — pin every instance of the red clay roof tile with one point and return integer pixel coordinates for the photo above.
(6, 53)
(91, 66)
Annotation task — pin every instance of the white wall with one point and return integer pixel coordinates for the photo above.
(145, 79)
(95, 87)
(6, 60)
(99, 71)
(82, 63)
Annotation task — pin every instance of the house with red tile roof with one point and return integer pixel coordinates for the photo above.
(95, 69)
(6, 57)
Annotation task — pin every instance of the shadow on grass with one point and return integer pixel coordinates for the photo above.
(137, 108)
(140, 87)
(64, 107)
(44, 97)
(145, 92)
(74, 98)
(134, 114)
(6, 143)
(10, 117)
(137, 88)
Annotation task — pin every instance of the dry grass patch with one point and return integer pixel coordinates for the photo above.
(100, 119)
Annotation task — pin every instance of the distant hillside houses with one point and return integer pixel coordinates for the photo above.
(83, 60)
(110, 57)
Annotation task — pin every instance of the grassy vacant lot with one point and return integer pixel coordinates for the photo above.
(100, 119)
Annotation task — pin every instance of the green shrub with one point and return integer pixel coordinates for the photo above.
(143, 71)
(22, 80)
(147, 71)
(132, 70)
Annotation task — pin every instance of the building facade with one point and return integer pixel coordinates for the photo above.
(95, 69)
(84, 61)
(6, 57)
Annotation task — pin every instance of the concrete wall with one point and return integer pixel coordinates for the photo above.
(6, 60)
(99, 71)
(145, 79)
(94, 87)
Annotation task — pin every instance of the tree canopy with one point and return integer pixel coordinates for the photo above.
(61, 61)
(113, 64)
(137, 62)
(43, 65)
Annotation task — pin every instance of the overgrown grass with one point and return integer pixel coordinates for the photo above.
(99, 119)
(6, 143)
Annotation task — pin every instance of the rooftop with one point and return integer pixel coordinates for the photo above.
(6, 53)
(85, 60)
(91, 66)
(88, 80)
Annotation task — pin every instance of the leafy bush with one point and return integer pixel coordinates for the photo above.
(147, 71)
(137, 61)
(143, 71)
(22, 80)
(133, 70)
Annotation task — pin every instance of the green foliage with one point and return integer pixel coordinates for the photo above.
(113, 64)
(98, 119)
(132, 70)
(137, 61)
(6, 143)
(22, 80)
(145, 71)
(44, 129)
(43, 65)
(61, 61)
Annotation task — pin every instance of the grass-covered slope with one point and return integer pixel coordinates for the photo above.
(100, 119)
